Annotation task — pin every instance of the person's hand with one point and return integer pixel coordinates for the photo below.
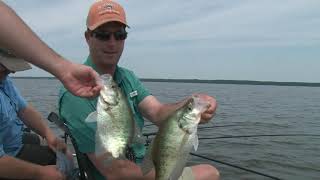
(125, 168)
(55, 143)
(80, 80)
(49, 173)
(207, 115)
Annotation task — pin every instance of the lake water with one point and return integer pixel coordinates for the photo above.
(243, 110)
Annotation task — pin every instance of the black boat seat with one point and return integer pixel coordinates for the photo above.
(82, 159)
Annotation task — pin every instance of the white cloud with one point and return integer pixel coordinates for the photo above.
(260, 21)
(213, 32)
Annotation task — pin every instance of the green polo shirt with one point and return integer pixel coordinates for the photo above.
(74, 110)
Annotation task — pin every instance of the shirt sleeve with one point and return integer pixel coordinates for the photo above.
(74, 110)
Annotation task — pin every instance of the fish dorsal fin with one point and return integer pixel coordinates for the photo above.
(147, 163)
(92, 117)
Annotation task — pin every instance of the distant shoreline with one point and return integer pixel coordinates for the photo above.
(239, 82)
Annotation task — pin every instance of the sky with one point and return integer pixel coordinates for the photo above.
(264, 40)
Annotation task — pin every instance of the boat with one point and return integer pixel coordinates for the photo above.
(82, 169)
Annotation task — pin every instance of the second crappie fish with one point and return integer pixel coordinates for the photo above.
(115, 123)
(170, 148)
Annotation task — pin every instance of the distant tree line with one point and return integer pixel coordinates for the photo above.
(243, 82)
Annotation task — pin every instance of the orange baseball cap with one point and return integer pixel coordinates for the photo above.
(103, 11)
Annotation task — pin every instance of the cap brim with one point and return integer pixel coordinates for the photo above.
(95, 26)
(14, 64)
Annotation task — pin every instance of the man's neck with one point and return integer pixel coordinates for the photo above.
(103, 68)
(106, 69)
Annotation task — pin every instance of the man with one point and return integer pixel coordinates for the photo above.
(105, 36)
(20, 159)
(17, 37)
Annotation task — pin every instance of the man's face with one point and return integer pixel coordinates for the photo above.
(106, 51)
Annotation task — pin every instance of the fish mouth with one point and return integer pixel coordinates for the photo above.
(111, 101)
(109, 96)
(189, 128)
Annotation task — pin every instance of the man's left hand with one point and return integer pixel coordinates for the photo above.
(207, 115)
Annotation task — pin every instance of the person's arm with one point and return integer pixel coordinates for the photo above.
(17, 37)
(14, 168)
(156, 112)
(119, 169)
(152, 109)
(33, 119)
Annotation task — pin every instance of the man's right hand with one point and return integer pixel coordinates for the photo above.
(50, 173)
(79, 79)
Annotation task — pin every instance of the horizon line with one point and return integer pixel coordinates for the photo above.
(216, 81)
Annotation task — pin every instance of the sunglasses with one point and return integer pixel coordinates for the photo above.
(106, 36)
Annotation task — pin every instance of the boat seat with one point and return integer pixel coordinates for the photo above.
(82, 159)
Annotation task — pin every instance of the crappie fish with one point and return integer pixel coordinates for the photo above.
(115, 123)
(176, 136)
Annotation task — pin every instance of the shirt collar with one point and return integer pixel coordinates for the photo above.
(117, 75)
